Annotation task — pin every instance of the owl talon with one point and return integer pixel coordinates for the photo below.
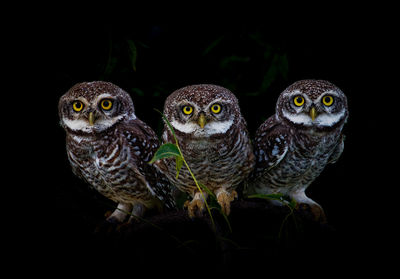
(196, 207)
(120, 213)
(224, 199)
(138, 211)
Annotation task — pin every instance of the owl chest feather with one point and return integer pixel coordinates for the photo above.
(106, 165)
(306, 158)
(215, 162)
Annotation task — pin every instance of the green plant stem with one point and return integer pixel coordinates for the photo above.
(197, 185)
(187, 166)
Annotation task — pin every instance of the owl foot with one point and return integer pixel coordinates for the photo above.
(315, 210)
(196, 207)
(120, 214)
(224, 199)
(137, 212)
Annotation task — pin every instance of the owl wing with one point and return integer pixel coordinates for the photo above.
(271, 144)
(338, 150)
(143, 143)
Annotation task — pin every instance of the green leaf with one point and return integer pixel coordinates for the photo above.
(178, 164)
(166, 151)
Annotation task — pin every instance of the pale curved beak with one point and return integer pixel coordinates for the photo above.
(91, 118)
(202, 120)
(313, 113)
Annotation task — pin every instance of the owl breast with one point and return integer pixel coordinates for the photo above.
(305, 160)
(106, 165)
(219, 161)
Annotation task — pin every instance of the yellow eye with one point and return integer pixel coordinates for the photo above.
(187, 110)
(298, 101)
(106, 104)
(77, 106)
(327, 100)
(216, 108)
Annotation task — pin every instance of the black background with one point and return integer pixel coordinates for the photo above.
(257, 61)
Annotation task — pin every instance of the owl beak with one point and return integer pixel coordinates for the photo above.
(313, 113)
(202, 120)
(91, 118)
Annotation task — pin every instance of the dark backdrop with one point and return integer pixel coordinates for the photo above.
(255, 61)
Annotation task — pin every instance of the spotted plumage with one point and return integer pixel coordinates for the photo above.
(293, 146)
(109, 148)
(213, 137)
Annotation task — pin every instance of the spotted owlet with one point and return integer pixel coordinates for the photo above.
(109, 147)
(293, 146)
(214, 141)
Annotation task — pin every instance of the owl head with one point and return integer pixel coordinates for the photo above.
(314, 104)
(93, 107)
(202, 110)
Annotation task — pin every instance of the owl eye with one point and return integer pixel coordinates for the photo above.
(327, 100)
(216, 108)
(106, 104)
(298, 101)
(187, 110)
(78, 106)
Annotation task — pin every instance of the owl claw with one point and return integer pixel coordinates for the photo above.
(196, 207)
(224, 199)
(120, 213)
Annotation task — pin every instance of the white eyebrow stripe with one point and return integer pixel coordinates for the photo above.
(298, 92)
(328, 92)
(197, 108)
(185, 103)
(103, 96)
(218, 101)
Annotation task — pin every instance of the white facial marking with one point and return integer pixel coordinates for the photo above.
(329, 119)
(83, 125)
(324, 119)
(210, 128)
(217, 127)
(103, 96)
(329, 92)
(300, 118)
(77, 125)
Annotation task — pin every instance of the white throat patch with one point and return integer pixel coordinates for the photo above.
(325, 120)
(211, 128)
(82, 125)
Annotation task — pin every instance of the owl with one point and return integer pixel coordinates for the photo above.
(213, 138)
(109, 148)
(293, 146)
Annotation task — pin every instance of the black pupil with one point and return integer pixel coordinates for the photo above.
(298, 99)
(106, 103)
(78, 105)
(328, 99)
